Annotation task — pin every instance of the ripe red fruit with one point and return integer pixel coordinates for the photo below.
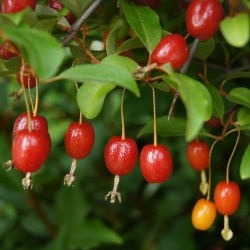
(120, 155)
(5, 53)
(28, 77)
(203, 18)
(152, 3)
(30, 150)
(38, 123)
(79, 139)
(214, 123)
(156, 163)
(198, 155)
(173, 49)
(227, 197)
(57, 5)
(14, 6)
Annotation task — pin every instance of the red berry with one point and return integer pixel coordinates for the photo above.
(198, 155)
(28, 77)
(156, 163)
(214, 123)
(152, 3)
(5, 53)
(38, 123)
(79, 139)
(227, 197)
(203, 18)
(57, 5)
(30, 150)
(14, 6)
(120, 155)
(173, 49)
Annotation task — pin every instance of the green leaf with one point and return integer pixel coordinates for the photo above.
(245, 164)
(101, 73)
(240, 96)
(244, 116)
(111, 45)
(27, 16)
(205, 49)
(13, 64)
(71, 207)
(236, 29)
(91, 234)
(145, 22)
(196, 99)
(130, 44)
(238, 75)
(91, 96)
(41, 50)
(121, 61)
(162, 86)
(77, 6)
(218, 104)
(176, 126)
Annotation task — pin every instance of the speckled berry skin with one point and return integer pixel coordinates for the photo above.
(227, 197)
(38, 123)
(198, 155)
(5, 53)
(203, 214)
(14, 6)
(203, 18)
(30, 150)
(151, 3)
(171, 49)
(28, 77)
(120, 155)
(57, 5)
(79, 139)
(156, 163)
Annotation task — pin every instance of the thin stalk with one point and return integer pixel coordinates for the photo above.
(37, 99)
(30, 95)
(155, 122)
(122, 115)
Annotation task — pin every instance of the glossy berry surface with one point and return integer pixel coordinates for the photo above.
(5, 53)
(57, 5)
(28, 77)
(156, 163)
(203, 18)
(120, 155)
(151, 3)
(203, 214)
(172, 49)
(227, 197)
(14, 6)
(38, 123)
(79, 139)
(198, 155)
(30, 150)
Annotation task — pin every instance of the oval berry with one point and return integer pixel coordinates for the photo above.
(28, 77)
(14, 6)
(198, 155)
(214, 123)
(171, 49)
(5, 53)
(151, 3)
(57, 5)
(203, 18)
(156, 163)
(38, 123)
(120, 155)
(30, 150)
(227, 197)
(203, 214)
(79, 139)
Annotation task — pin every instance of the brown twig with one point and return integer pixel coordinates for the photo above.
(80, 21)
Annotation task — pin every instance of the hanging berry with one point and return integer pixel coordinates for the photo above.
(203, 18)
(29, 78)
(5, 53)
(14, 6)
